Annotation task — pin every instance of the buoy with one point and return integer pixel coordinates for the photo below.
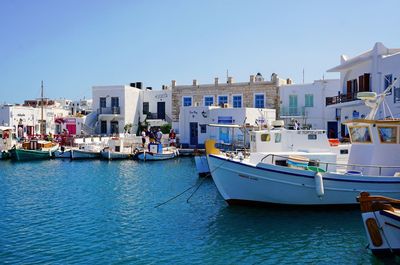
(319, 184)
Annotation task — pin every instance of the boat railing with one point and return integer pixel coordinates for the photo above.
(327, 164)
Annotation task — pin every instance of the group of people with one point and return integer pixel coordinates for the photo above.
(155, 136)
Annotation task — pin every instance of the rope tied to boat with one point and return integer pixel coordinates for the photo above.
(191, 187)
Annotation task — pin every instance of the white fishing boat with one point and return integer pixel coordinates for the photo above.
(7, 141)
(118, 148)
(87, 151)
(62, 152)
(309, 174)
(382, 223)
(157, 152)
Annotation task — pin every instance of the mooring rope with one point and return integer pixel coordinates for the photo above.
(191, 187)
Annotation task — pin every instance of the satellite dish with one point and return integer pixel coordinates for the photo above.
(366, 95)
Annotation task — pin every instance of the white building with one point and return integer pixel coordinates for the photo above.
(26, 119)
(374, 71)
(193, 129)
(306, 104)
(115, 107)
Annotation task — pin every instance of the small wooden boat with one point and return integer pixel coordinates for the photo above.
(34, 150)
(86, 151)
(382, 223)
(157, 152)
(118, 148)
(63, 153)
(112, 155)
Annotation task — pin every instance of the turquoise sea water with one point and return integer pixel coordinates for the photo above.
(98, 212)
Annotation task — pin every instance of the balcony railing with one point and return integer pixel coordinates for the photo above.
(341, 98)
(292, 111)
(109, 110)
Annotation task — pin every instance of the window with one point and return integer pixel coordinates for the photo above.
(208, 101)
(114, 102)
(278, 137)
(103, 103)
(360, 134)
(387, 81)
(203, 128)
(265, 137)
(146, 107)
(292, 105)
(309, 100)
(312, 137)
(259, 101)
(237, 101)
(187, 101)
(222, 100)
(396, 94)
(388, 135)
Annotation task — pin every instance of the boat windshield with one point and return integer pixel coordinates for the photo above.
(360, 134)
(387, 135)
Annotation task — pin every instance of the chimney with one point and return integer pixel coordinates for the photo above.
(252, 79)
(289, 81)
(173, 83)
(195, 83)
(216, 81)
(230, 80)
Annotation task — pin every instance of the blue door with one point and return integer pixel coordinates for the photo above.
(194, 132)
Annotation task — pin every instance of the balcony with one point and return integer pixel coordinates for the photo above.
(292, 111)
(341, 98)
(109, 110)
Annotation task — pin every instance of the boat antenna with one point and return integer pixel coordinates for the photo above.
(374, 101)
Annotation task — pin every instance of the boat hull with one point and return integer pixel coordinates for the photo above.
(240, 182)
(114, 155)
(383, 232)
(81, 154)
(4, 155)
(27, 155)
(147, 156)
(61, 154)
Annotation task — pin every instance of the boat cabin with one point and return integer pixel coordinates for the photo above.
(276, 145)
(375, 143)
(8, 138)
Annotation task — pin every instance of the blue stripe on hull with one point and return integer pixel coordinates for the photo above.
(307, 176)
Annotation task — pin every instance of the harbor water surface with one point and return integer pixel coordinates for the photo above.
(98, 212)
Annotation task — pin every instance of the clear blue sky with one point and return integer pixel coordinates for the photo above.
(73, 45)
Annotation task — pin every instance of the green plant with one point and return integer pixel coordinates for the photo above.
(166, 128)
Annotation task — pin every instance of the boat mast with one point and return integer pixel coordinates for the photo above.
(42, 128)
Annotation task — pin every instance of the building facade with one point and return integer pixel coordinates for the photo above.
(194, 129)
(371, 71)
(305, 103)
(257, 93)
(26, 120)
(117, 108)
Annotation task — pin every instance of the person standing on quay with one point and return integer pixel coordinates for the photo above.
(159, 136)
(172, 137)
(143, 138)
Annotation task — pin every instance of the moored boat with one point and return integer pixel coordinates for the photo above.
(157, 152)
(7, 141)
(34, 150)
(381, 221)
(117, 149)
(309, 173)
(63, 153)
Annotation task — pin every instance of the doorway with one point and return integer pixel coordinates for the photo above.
(161, 110)
(194, 133)
(332, 129)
